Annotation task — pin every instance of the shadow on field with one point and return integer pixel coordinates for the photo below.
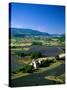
(36, 79)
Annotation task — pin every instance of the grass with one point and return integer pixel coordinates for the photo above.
(45, 41)
(38, 78)
(42, 76)
(56, 79)
(62, 76)
(21, 44)
(25, 61)
(20, 49)
(20, 74)
(52, 66)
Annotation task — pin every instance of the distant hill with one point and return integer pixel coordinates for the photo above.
(57, 35)
(21, 32)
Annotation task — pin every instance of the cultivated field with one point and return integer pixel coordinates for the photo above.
(24, 50)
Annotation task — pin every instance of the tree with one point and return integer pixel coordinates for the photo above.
(36, 43)
(35, 55)
(27, 69)
(21, 54)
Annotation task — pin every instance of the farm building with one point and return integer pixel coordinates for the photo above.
(40, 61)
(35, 63)
(61, 56)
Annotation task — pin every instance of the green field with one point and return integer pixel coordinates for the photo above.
(39, 77)
(52, 74)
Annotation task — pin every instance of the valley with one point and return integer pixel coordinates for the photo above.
(32, 47)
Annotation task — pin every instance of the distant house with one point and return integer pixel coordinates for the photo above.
(40, 61)
(51, 58)
(62, 56)
(35, 63)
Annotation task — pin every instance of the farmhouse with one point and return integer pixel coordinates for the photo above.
(35, 63)
(41, 59)
(48, 53)
(38, 62)
(61, 56)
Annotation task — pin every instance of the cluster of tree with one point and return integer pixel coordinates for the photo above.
(26, 69)
(35, 55)
(62, 39)
(32, 54)
(36, 43)
(13, 47)
(21, 54)
(46, 63)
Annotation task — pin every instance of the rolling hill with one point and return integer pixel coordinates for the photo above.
(22, 32)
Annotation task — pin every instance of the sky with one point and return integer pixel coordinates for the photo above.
(44, 18)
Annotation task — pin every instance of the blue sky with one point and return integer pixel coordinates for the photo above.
(44, 18)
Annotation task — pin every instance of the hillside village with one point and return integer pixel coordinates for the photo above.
(40, 61)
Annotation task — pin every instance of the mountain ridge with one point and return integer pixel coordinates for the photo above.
(21, 32)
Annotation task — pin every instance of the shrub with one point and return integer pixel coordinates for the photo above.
(57, 57)
(46, 63)
(36, 43)
(26, 69)
(21, 54)
(35, 55)
(13, 47)
(14, 72)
